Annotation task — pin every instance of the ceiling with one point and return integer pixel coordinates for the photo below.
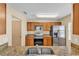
(31, 9)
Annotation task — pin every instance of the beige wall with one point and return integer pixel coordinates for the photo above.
(66, 21)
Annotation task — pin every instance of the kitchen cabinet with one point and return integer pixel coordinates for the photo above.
(2, 18)
(29, 41)
(47, 41)
(46, 25)
(76, 18)
(29, 26)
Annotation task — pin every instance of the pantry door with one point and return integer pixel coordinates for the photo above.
(16, 32)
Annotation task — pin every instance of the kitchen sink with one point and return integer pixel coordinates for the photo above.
(39, 51)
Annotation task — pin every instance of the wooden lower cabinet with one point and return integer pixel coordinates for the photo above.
(47, 41)
(29, 41)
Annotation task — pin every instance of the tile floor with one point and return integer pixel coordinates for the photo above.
(74, 51)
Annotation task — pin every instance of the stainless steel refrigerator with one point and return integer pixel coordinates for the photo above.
(58, 35)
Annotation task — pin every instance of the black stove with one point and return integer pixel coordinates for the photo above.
(38, 41)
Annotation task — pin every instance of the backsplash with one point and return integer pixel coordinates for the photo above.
(3, 39)
(75, 39)
(32, 32)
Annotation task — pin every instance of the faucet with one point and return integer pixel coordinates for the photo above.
(38, 49)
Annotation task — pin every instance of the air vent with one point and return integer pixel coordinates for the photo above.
(25, 12)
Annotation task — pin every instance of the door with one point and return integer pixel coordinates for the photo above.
(16, 32)
(49, 40)
(29, 41)
(55, 35)
(59, 38)
(45, 42)
(75, 18)
(62, 38)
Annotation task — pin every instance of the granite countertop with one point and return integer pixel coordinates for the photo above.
(75, 39)
(32, 35)
(77, 43)
(46, 35)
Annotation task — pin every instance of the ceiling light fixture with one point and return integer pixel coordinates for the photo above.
(47, 15)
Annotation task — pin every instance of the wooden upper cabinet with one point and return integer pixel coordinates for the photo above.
(28, 26)
(46, 25)
(2, 18)
(76, 18)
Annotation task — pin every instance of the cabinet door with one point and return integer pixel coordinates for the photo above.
(2, 18)
(76, 18)
(45, 41)
(49, 41)
(31, 42)
(27, 42)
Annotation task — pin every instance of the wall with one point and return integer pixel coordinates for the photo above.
(24, 31)
(11, 12)
(66, 21)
